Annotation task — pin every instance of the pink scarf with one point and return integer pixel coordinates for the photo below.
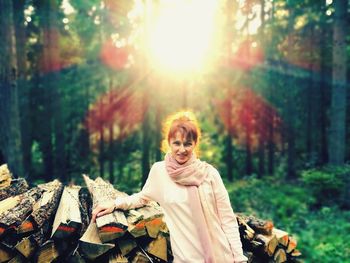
(192, 174)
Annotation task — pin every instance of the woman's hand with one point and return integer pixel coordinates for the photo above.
(101, 210)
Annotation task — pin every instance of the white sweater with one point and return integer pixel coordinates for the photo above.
(173, 198)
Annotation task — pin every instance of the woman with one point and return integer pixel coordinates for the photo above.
(197, 210)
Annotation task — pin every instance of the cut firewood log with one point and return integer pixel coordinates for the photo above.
(68, 219)
(295, 253)
(44, 209)
(140, 258)
(249, 233)
(116, 258)
(150, 223)
(249, 255)
(5, 176)
(270, 243)
(292, 244)
(16, 187)
(13, 217)
(281, 236)
(90, 244)
(113, 225)
(258, 225)
(85, 208)
(75, 258)
(154, 226)
(6, 253)
(47, 252)
(126, 244)
(133, 216)
(28, 245)
(136, 224)
(18, 259)
(158, 248)
(280, 256)
(9, 203)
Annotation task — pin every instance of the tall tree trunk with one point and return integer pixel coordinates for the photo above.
(229, 157)
(230, 5)
(146, 138)
(101, 153)
(311, 104)
(52, 56)
(261, 154)
(271, 146)
(271, 114)
(290, 118)
(262, 19)
(338, 103)
(111, 154)
(10, 136)
(323, 90)
(121, 164)
(248, 163)
(158, 134)
(23, 87)
(111, 142)
(53, 130)
(59, 131)
(263, 118)
(145, 144)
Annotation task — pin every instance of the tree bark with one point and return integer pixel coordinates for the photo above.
(23, 87)
(145, 146)
(111, 154)
(271, 145)
(229, 157)
(311, 104)
(338, 103)
(101, 153)
(53, 131)
(323, 90)
(249, 163)
(290, 108)
(261, 153)
(10, 136)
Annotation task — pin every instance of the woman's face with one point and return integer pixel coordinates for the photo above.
(181, 148)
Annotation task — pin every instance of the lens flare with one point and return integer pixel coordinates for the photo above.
(181, 36)
(119, 110)
(248, 117)
(114, 57)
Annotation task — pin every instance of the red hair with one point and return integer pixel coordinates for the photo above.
(184, 122)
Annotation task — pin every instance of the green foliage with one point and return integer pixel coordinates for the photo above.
(329, 185)
(270, 198)
(324, 236)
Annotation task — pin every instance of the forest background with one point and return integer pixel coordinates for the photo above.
(85, 85)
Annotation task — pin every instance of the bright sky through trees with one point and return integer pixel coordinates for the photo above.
(181, 36)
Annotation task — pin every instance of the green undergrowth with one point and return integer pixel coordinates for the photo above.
(322, 232)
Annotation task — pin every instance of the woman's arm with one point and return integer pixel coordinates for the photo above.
(128, 202)
(228, 219)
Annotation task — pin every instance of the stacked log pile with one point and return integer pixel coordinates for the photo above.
(25, 217)
(52, 223)
(262, 242)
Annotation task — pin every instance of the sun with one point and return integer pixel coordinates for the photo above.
(180, 36)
